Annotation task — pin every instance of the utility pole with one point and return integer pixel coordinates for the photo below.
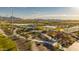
(12, 17)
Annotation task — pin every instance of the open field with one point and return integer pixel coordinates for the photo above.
(31, 35)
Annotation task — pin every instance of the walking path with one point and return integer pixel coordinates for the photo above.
(73, 47)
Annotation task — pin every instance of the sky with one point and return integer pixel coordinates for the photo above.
(41, 12)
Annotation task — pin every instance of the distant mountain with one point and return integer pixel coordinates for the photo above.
(9, 18)
(17, 19)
